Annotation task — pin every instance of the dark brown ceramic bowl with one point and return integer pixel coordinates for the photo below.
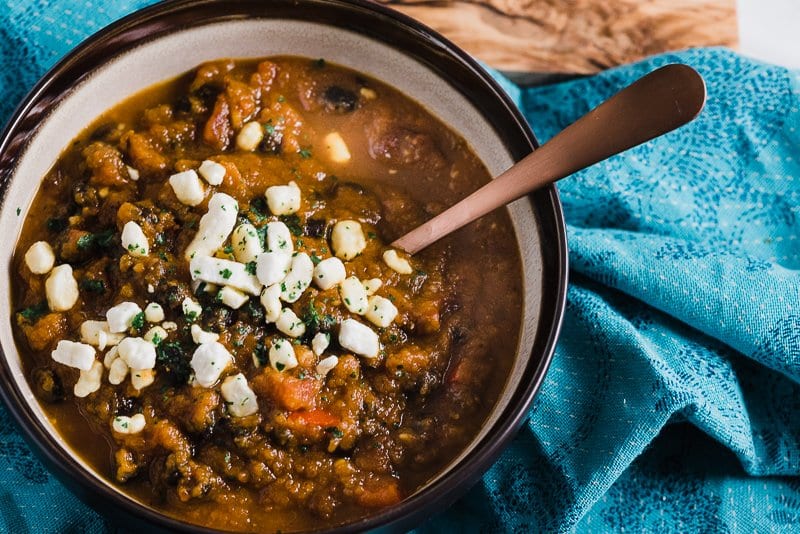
(165, 40)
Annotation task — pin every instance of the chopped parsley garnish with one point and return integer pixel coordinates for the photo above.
(250, 267)
(93, 286)
(260, 352)
(258, 207)
(279, 366)
(225, 273)
(228, 249)
(315, 259)
(99, 240)
(172, 360)
(160, 239)
(335, 432)
(305, 153)
(138, 321)
(33, 313)
(293, 223)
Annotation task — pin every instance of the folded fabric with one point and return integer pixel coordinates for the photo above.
(672, 403)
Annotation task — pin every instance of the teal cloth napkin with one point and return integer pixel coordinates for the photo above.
(672, 403)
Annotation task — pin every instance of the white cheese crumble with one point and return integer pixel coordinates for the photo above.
(111, 356)
(121, 316)
(380, 311)
(224, 273)
(396, 262)
(281, 355)
(208, 362)
(326, 365)
(151, 288)
(154, 313)
(122, 424)
(271, 301)
(347, 239)
(279, 238)
(72, 354)
(239, 398)
(290, 324)
(200, 336)
(320, 343)
(283, 199)
(134, 241)
(133, 173)
(40, 257)
(97, 333)
(232, 297)
(169, 325)
(117, 371)
(298, 279)
(359, 338)
(141, 378)
(156, 335)
(328, 273)
(250, 136)
(138, 353)
(246, 244)
(272, 267)
(371, 286)
(215, 226)
(188, 187)
(61, 288)
(354, 296)
(336, 148)
(212, 172)
(89, 380)
(191, 309)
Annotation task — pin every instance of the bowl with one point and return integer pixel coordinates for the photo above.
(162, 41)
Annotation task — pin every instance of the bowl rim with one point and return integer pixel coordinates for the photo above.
(124, 34)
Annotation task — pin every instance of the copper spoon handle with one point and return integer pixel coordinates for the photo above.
(651, 106)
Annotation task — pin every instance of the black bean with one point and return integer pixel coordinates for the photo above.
(339, 99)
(315, 227)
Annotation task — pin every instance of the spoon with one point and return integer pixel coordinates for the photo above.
(655, 104)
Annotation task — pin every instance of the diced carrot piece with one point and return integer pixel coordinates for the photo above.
(378, 494)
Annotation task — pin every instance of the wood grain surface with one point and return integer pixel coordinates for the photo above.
(575, 36)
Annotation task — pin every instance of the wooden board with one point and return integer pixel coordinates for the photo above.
(575, 36)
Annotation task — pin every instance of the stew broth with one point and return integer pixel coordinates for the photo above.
(312, 444)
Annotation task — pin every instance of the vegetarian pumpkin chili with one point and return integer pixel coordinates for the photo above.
(210, 315)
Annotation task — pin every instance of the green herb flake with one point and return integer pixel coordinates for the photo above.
(225, 273)
(138, 321)
(293, 223)
(315, 259)
(335, 432)
(33, 313)
(305, 153)
(93, 286)
(250, 267)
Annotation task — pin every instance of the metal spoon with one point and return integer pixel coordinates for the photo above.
(651, 106)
